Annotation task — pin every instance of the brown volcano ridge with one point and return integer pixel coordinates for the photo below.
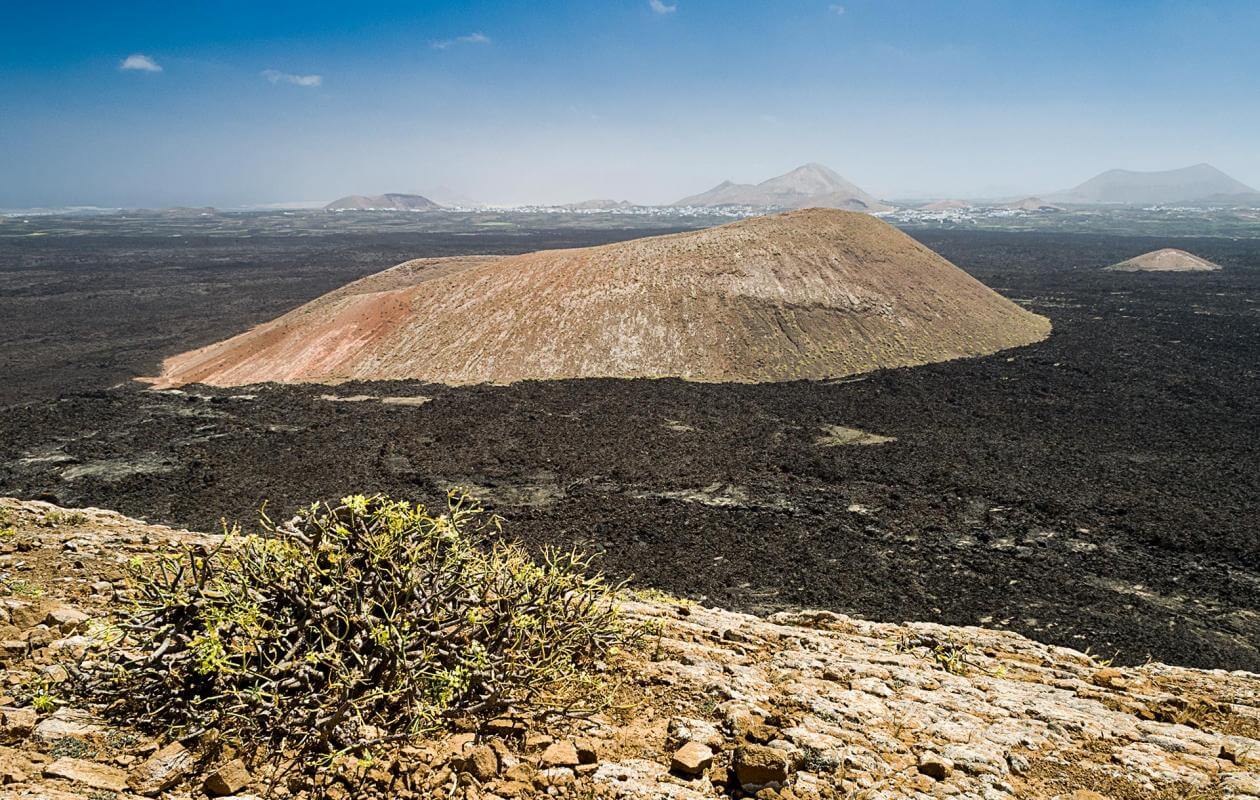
(809, 294)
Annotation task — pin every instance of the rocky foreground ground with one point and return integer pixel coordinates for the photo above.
(797, 705)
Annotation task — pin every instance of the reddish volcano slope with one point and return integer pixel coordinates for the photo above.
(808, 294)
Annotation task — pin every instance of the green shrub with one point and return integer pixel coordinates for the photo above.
(371, 621)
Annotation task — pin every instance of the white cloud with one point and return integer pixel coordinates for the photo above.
(836, 8)
(276, 76)
(140, 63)
(472, 38)
(660, 7)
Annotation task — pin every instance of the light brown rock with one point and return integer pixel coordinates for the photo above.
(587, 751)
(14, 766)
(757, 764)
(480, 761)
(692, 758)
(162, 770)
(16, 724)
(88, 773)
(66, 619)
(68, 722)
(513, 789)
(559, 754)
(228, 779)
(28, 615)
(935, 766)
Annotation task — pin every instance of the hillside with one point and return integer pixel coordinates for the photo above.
(383, 202)
(1031, 204)
(1201, 183)
(945, 205)
(1167, 260)
(808, 186)
(806, 705)
(807, 294)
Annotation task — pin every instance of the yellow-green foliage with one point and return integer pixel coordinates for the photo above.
(373, 618)
(953, 656)
(19, 587)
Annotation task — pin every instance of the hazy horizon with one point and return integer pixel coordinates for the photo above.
(645, 100)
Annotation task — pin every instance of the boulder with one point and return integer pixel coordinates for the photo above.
(587, 751)
(757, 764)
(227, 779)
(88, 773)
(560, 754)
(68, 723)
(66, 619)
(28, 615)
(480, 761)
(935, 766)
(691, 759)
(16, 724)
(14, 766)
(162, 770)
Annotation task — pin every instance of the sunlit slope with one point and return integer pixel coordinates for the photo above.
(816, 293)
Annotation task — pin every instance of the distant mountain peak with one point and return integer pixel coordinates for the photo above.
(815, 167)
(390, 201)
(811, 184)
(1196, 183)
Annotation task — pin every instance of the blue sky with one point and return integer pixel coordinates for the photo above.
(236, 103)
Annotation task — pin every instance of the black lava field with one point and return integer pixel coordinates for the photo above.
(1099, 490)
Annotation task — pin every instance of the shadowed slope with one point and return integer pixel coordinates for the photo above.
(807, 294)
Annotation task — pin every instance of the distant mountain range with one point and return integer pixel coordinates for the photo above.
(815, 185)
(946, 205)
(1022, 204)
(600, 204)
(812, 185)
(1202, 183)
(382, 202)
(1031, 204)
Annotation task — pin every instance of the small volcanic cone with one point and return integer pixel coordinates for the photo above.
(1167, 260)
(810, 294)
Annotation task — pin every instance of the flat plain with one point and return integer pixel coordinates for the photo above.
(1097, 490)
